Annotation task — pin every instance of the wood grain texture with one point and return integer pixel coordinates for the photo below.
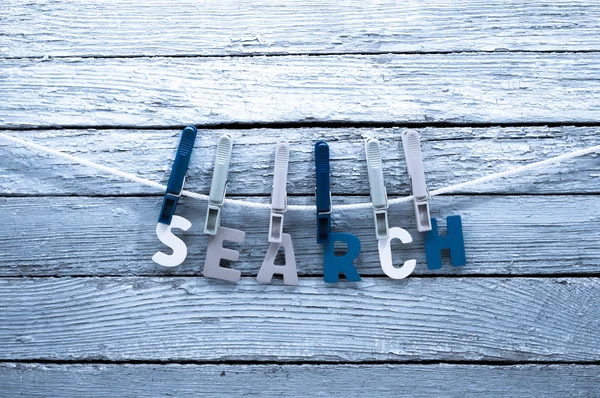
(458, 88)
(109, 28)
(76, 276)
(37, 380)
(451, 155)
(50, 236)
(177, 319)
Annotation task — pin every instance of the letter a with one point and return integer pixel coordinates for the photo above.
(268, 268)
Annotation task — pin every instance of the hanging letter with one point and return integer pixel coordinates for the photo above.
(215, 252)
(164, 234)
(333, 265)
(268, 268)
(454, 241)
(385, 255)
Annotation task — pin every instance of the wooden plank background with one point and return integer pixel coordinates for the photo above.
(535, 237)
(217, 28)
(51, 380)
(378, 319)
(488, 86)
(463, 88)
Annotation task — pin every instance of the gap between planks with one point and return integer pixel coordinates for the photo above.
(4, 361)
(278, 281)
(332, 124)
(300, 195)
(294, 54)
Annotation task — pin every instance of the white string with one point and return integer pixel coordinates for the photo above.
(355, 206)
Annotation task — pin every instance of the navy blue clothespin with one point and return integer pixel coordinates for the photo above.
(177, 177)
(322, 192)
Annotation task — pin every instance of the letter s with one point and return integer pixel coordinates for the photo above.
(164, 234)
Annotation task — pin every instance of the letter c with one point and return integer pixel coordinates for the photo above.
(385, 255)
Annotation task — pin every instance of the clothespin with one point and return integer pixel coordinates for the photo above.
(279, 195)
(378, 191)
(219, 185)
(322, 192)
(177, 177)
(416, 172)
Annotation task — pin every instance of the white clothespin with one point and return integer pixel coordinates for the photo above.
(279, 195)
(378, 191)
(219, 185)
(416, 172)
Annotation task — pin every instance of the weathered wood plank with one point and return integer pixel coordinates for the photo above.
(518, 235)
(91, 28)
(462, 88)
(37, 380)
(172, 319)
(451, 155)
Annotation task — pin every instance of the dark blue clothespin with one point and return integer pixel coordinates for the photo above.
(322, 192)
(177, 177)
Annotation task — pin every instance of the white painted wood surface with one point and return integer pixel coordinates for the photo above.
(455, 88)
(515, 235)
(86, 311)
(95, 380)
(377, 319)
(214, 27)
(451, 156)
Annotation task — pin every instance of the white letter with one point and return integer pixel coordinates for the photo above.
(385, 255)
(268, 268)
(163, 231)
(215, 252)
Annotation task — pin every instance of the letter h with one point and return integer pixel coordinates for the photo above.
(454, 241)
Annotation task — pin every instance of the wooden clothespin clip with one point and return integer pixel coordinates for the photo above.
(279, 194)
(177, 177)
(416, 172)
(378, 192)
(219, 185)
(323, 194)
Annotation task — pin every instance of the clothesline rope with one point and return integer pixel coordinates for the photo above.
(355, 206)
